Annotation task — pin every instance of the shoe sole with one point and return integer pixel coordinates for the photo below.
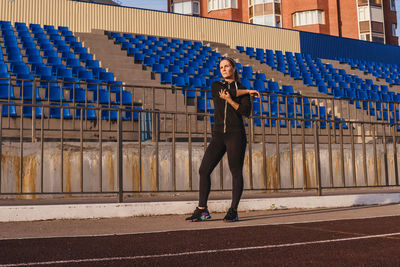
(202, 219)
(234, 220)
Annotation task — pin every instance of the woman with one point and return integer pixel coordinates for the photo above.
(231, 102)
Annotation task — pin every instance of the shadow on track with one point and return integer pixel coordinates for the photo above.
(307, 212)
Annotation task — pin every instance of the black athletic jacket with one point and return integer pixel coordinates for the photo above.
(226, 118)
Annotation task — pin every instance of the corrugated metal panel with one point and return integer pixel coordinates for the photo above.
(83, 17)
(332, 47)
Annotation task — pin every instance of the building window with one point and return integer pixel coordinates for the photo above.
(278, 21)
(365, 36)
(394, 29)
(268, 20)
(196, 8)
(187, 8)
(221, 4)
(362, 2)
(378, 38)
(377, 27)
(308, 18)
(264, 20)
(377, 14)
(256, 2)
(363, 13)
(376, 3)
(393, 5)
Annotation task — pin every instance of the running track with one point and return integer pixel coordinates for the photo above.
(358, 242)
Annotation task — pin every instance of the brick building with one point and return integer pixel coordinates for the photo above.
(370, 20)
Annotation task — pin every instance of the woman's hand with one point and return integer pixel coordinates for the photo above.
(224, 95)
(254, 93)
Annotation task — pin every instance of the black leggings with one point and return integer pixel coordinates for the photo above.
(234, 143)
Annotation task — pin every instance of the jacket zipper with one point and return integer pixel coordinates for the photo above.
(226, 106)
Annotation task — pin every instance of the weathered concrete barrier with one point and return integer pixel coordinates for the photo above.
(140, 168)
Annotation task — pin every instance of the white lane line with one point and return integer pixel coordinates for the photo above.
(198, 252)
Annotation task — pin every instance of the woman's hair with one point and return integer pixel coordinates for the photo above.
(233, 64)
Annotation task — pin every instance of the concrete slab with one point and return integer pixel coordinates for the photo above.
(14, 213)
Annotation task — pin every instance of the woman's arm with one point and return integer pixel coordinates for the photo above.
(223, 94)
(244, 107)
(240, 92)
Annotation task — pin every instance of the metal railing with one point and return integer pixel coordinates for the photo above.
(158, 146)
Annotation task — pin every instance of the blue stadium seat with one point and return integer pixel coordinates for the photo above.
(158, 68)
(240, 48)
(259, 76)
(87, 113)
(102, 98)
(166, 77)
(129, 115)
(106, 76)
(8, 110)
(27, 110)
(203, 104)
(6, 90)
(109, 113)
(178, 81)
(247, 73)
(259, 85)
(25, 91)
(250, 51)
(55, 111)
(78, 95)
(54, 93)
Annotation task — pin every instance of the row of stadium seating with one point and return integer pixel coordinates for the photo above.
(191, 65)
(389, 72)
(327, 80)
(67, 72)
(181, 63)
(69, 75)
(88, 111)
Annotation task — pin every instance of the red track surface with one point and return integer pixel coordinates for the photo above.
(334, 243)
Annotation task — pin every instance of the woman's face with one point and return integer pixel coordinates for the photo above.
(227, 71)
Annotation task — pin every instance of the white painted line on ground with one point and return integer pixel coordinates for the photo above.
(225, 226)
(189, 253)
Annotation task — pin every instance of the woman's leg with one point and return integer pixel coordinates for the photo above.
(236, 149)
(214, 152)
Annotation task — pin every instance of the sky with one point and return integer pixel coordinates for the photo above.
(162, 5)
(398, 16)
(148, 4)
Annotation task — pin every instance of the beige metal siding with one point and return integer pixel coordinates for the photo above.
(83, 17)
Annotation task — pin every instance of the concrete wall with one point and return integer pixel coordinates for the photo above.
(71, 181)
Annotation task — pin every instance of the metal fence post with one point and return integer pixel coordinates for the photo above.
(120, 158)
(34, 111)
(317, 159)
(1, 140)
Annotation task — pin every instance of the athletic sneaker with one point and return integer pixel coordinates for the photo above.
(199, 215)
(231, 215)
